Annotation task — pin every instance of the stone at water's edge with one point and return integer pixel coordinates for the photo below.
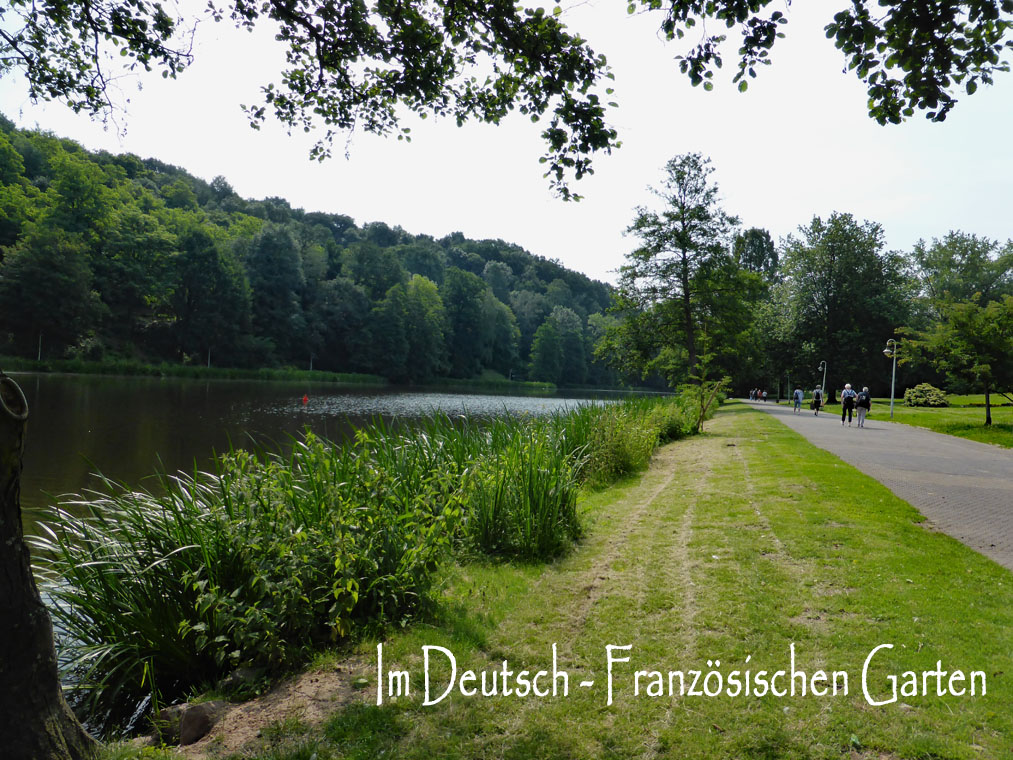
(186, 724)
(166, 723)
(198, 721)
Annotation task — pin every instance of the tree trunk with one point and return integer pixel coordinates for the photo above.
(687, 315)
(988, 408)
(35, 721)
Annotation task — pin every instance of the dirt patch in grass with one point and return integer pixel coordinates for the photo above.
(302, 702)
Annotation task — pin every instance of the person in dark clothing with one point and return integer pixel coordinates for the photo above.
(862, 405)
(817, 401)
(848, 397)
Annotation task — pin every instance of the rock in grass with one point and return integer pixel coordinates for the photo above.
(360, 683)
(186, 724)
(166, 723)
(198, 720)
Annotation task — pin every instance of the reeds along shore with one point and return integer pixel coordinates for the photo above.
(270, 557)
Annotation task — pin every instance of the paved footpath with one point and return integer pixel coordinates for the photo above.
(964, 488)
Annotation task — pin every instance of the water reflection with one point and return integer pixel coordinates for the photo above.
(127, 428)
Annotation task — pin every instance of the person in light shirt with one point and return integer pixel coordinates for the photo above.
(848, 397)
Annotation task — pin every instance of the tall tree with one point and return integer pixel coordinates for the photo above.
(388, 328)
(211, 297)
(274, 268)
(463, 296)
(547, 353)
(571, 337)
(46, 296)
(344, 311)
(133, 270)
(500, 335)
(973, 343)
(427, 330)
(961, 267)
(673, 285)
(848, 296)
(530, 310)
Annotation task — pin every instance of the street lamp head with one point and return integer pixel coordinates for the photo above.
(887, 352)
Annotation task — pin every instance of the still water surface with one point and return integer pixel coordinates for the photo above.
(128, 427)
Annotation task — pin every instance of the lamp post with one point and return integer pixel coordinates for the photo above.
(891, 352)
(823, 366)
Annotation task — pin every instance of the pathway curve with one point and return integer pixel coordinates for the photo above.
(964, 488)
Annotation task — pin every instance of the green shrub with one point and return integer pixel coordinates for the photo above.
(925, 395)
(673, 420)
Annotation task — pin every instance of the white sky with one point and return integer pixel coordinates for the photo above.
(798, 143)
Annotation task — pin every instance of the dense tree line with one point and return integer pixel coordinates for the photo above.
(701, 297)
(110, 256)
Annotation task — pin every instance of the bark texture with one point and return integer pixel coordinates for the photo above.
(35, 721)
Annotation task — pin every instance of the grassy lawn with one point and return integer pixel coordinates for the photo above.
(976, 399)
(736, 544)
(964, 422)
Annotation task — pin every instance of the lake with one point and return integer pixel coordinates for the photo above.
(129, 427)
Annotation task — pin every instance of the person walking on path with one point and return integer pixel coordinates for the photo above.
(848, 397)
(798, 396)
(862, 405)
(817, 399)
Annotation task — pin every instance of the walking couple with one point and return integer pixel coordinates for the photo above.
(851, 401)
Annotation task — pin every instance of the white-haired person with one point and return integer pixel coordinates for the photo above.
(817, 402)
(862, 405)
(848, 397)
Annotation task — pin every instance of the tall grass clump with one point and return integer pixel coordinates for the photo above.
(254, 565)
(616, 440)
(522, 499)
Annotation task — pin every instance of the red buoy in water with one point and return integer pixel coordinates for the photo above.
(305, 399)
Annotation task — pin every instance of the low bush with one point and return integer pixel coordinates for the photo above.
(924, 394)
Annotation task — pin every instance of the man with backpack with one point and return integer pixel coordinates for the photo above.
(817, 401)
(797, 397)
(862, 405)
